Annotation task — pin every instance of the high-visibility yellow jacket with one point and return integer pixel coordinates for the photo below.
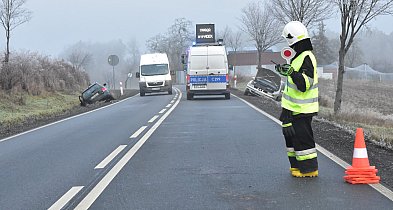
(295, 100)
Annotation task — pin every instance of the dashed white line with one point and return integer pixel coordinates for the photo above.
(100, 187)
(65, 198)
(172, 101)
(110, 157)
(162, 111)
(136, 134)
(169, 105)
(153, 119)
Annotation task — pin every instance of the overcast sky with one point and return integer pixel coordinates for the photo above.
(57, 24)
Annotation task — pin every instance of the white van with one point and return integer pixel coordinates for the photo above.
(154, 74)
(207, 71)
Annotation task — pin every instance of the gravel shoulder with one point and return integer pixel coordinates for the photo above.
(334, 138)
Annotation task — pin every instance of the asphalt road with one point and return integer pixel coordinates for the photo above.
(209, 153)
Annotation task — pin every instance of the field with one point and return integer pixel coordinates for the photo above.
(364, 104)
(19, 107)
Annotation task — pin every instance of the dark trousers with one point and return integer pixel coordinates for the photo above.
(302, 141)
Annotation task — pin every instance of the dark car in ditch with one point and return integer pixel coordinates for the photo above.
(94, 93)
(266, 83)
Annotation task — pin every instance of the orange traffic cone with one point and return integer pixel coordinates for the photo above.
(361, 172)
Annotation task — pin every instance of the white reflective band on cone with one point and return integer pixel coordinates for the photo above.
(360, 153)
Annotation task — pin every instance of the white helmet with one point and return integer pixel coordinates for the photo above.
(295, 31)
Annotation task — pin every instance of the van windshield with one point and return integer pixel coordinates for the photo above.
(154, 69)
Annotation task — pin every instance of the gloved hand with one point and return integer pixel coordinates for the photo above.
(284, 69)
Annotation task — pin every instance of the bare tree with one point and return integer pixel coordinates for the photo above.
(12, 14)
(355, 14)
(173, 43)
(323, 52)
(235, 42)
(354, 55)
(224, 34)
(133, 60)
(79, 59)
(158, 43)
(179, 35)
(309, 12)
(261, 27)
(134, 55)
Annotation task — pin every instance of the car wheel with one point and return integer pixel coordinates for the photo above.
(142, 93)
(246, 92)
(170, 91)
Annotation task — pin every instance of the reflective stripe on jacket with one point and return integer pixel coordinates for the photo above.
(295, 100)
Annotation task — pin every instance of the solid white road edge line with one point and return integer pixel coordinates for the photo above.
(110, 157)
(106, 180)
(65, 198)
(153, 119)
(379, 187)
(79, 115)
(139, 131)
(162, 111)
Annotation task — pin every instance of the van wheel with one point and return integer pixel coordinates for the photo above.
(170, 91)
(227, 96)
(190, 96)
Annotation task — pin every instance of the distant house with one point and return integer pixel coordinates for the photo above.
(245, 62)
(331, 69)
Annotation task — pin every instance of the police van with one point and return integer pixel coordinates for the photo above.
(154, 74)
(207, 65)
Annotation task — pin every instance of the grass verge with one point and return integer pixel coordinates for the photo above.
(364, 105)
(17, 108)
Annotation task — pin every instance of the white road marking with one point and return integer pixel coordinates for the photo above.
(172, 101)
(65, 198)
(79, 115)
(169, 105)
(100, 187)
(136, 134)
(162, 111)
(110, 157)
(379, 187)
(153, 119)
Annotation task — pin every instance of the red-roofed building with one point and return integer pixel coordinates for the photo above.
(245, 62)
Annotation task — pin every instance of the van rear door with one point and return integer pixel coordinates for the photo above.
(198, 69)
(217, 72)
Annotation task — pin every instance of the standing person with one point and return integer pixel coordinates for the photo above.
(300, 101)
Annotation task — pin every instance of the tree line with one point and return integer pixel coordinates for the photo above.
(261, 24)
(31, 72)
(261, 21)
(37, 74)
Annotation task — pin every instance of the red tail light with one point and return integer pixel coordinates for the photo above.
(103, 89)
(227, 78)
